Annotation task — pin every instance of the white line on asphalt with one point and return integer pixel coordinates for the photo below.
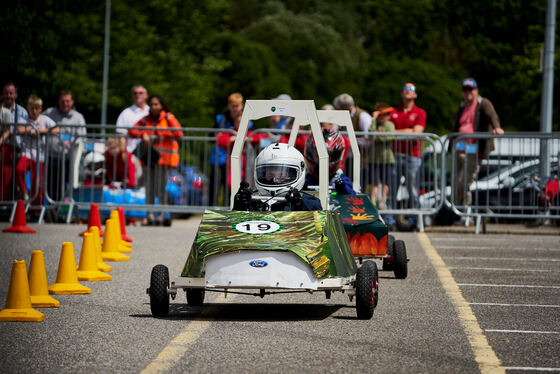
(493, 248)
(502, 258)
(504, 285)
(524, 331)
(523, 368)
(520, 305)
(484, 355)
(177, 347)
(503, 269)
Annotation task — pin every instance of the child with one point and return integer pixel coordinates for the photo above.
(32, 149)
(383, 158)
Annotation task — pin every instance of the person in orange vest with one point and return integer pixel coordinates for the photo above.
(158, 151)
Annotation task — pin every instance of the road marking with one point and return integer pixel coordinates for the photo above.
(501, 258)
(523, 368)
(524, 331)
(493, 248)
(177, 347)
(502, 269)
(485, 357)
(520, 305)
(504, 285)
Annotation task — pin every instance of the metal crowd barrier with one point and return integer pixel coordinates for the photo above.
(86, 164)
(22, 165)
(506, 182)
(96, 167)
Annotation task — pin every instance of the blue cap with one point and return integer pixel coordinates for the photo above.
(469, 82)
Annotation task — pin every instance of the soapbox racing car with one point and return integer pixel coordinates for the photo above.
(270, 252)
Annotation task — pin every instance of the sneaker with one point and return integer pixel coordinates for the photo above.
(389, 220)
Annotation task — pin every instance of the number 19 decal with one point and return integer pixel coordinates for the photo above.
(257, 227)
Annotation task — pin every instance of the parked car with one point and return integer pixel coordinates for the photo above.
(515, 189)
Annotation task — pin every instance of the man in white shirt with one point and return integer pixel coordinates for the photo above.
(9, 96)
(133, 114)
(128, 118)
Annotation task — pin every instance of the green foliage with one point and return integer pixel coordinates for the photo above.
(195, 53)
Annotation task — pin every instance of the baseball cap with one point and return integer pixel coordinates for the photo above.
(469, 82)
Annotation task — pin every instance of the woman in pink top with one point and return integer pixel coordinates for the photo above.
(475, 114)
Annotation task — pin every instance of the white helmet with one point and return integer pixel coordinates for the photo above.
(93, 163)
(278, 168)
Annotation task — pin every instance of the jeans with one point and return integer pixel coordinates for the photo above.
(409, 166)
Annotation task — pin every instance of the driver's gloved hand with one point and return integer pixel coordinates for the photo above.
(339, 187)
(242, 199)
(294, 198)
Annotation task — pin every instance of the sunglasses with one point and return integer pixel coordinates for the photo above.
(467, 89)
(139, 93)
(409, 88)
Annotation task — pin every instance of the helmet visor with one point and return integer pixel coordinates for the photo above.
(276, 175)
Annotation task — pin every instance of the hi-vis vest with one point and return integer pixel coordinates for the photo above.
(167, 148)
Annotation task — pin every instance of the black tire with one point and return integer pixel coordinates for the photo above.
(388, 261)
(366, 289)
(195, 296)
(159, 298)
(400, 262)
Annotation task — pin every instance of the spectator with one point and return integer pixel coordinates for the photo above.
(119, 166)
(410, 119)
(475, 114)
(225, 141)
(32, 150)
(219, 162)
(361, 120)
(6, 154)
(128, 117)
(328, 125)
(160, 151)
(63, 147)
(383, 158)
(9, 96)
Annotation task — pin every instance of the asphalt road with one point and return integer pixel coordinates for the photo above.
(417, 326)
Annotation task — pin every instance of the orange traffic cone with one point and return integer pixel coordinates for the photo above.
(67, 279)
(97, 244)
(122, 221)
(40, 297)
(20, 224)
(110, 250)
(124, 246)
(87, 270)
(94, 219)
(18, 303)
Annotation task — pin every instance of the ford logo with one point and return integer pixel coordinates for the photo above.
(258, 263)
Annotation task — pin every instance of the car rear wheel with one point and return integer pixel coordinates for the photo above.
(159, 298)
(367, 287)
(400, 261)
(195, 296)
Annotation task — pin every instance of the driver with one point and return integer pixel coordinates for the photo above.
(279, 172)
(336, 149)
